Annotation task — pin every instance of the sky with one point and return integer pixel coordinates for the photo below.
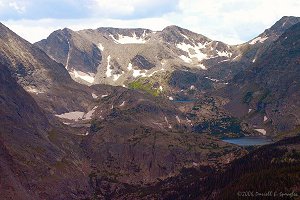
(230, 21)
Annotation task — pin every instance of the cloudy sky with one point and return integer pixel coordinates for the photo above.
(231, 21)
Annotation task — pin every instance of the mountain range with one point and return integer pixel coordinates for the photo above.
(139, 114)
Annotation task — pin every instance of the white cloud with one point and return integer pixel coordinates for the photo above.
(131, 8)
(9, 6)
(18, 6)
(234, 20)
(32, 32)
(108, 7)
(35, 30)
(231, 21)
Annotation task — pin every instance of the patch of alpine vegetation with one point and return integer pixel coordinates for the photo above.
(146, 85)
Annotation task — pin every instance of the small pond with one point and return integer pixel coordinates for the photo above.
(184, 101)
(249, 141)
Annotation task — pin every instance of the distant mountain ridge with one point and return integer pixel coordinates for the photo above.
(123, 57)
(269, 87)
(162, 50)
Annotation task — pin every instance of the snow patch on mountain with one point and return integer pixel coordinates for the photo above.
(94, 96)
(33, 90)
(202, 46)
(185, 36)
(154, 72)
(129, 67)
(108, 69)
(167, 121)
(122, 104)
(75, 115)
(224, 61)
(137, 73)
(68, 57)
(212, 79)
(185, 59)
(193, 51)
(224, 54)
(101, 47)
(78, 115)
(236, 57)
(178, 119)
(258, 39)
(129, 40)
(116, 77)
(89, 114)
(90, 77)
(262, 131)
(202, 66)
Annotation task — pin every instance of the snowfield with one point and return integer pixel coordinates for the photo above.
(129, 40)
(84, 76)
(258, 39)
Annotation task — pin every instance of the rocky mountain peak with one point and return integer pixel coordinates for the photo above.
(176, 34)
(113, 30)
(173, 28)
(80, 56)
(3, 30)
(286, 22)
(125, 35)
(272, 33)
(282, 25)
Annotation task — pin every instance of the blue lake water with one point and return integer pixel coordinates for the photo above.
(249, 141)
(184, 101)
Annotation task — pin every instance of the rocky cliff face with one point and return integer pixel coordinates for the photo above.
(32, 66)
(47, 80)
(269, 88)
(76, 53)
(33, 164)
